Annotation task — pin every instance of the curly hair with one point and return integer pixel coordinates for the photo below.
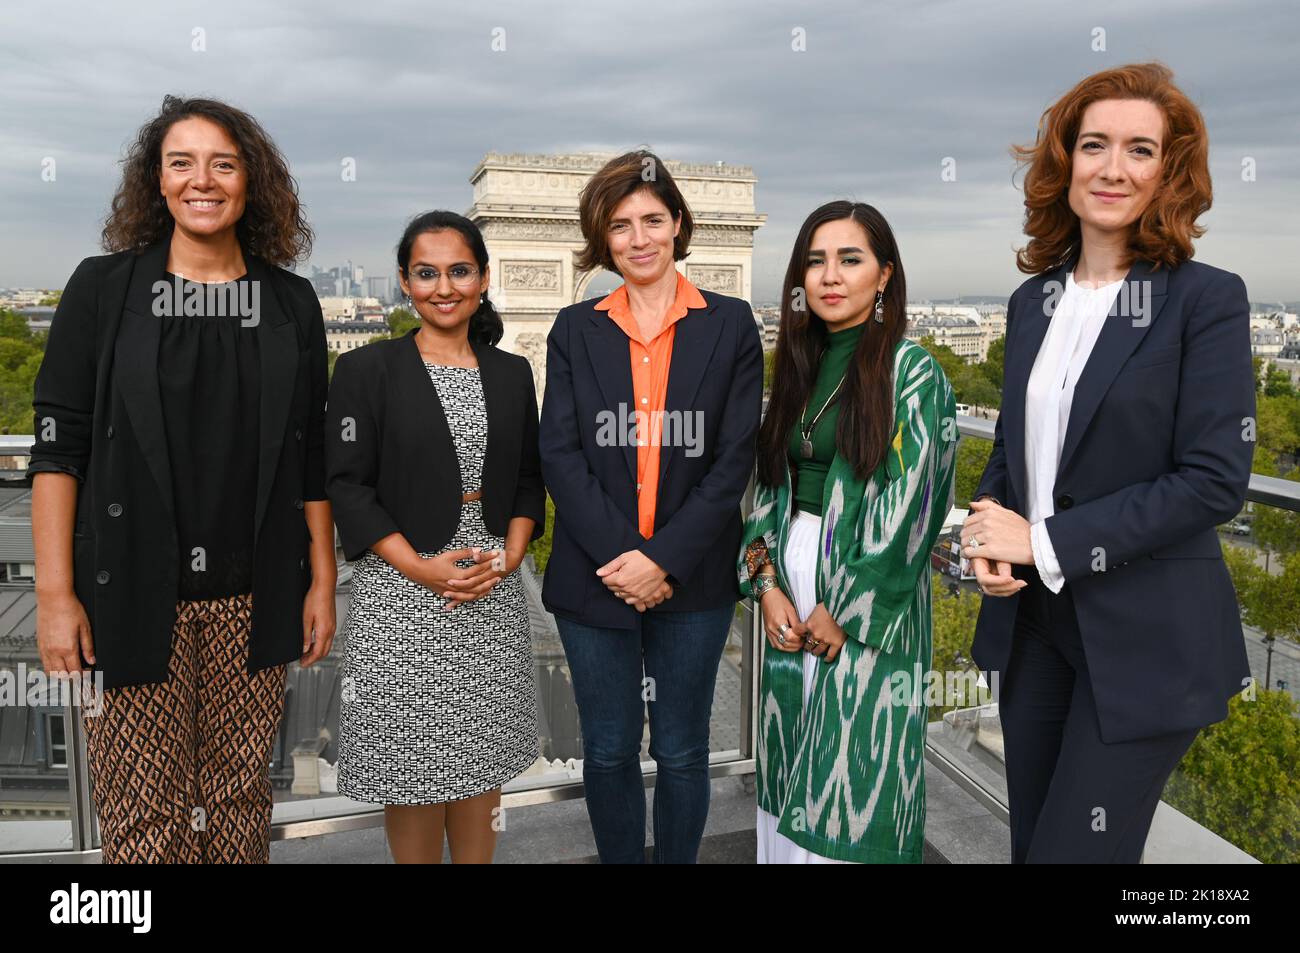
(1164, 232)
(272, 227)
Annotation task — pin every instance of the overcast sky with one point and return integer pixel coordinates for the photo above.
(414, 91)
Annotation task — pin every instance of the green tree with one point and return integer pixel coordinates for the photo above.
(21, 352)
(970, 382)
(992, 367)
(1263, 461)
(400, 320)
(1272, 601)
(1277, 383)
(953, 632)
(1276, 424)
(946, 356)
(14, 326)
(971, 387)
(1240, 778)
(1243, 569)
(972, 457)
(14, 353)
(1276, 531)
(541, 547)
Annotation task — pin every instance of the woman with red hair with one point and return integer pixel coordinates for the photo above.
(1124, 440)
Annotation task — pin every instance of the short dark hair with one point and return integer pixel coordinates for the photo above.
(617, 179)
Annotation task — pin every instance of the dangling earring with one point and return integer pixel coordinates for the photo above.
(880, 308)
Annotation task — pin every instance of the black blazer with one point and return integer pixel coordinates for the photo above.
(1154, 458)
(98, 387)
(390, 461)
(717, 371)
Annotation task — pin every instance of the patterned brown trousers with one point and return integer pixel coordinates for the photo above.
(180, 769)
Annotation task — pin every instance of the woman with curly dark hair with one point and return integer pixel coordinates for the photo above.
(1123, 442)
(184, 542)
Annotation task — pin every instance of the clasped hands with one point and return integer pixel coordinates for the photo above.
(819, 633)
(994, 538)
(636, 579)
(441, 574)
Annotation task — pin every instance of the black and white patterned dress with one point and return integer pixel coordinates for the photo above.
(436, 705)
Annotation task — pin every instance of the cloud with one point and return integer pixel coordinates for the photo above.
(416, 94)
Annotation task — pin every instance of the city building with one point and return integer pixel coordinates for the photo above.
(957, 328)
(346, 308)
(1266, 342)
(349, 335)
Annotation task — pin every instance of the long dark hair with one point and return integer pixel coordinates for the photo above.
(867, 400)
(273, 225)
(485, 325)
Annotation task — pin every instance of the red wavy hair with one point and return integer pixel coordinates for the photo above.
(1164, 232)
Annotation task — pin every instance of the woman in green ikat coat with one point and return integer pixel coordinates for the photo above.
(855, 467)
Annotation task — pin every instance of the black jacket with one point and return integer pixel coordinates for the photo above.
(391, 466)
(99, 418)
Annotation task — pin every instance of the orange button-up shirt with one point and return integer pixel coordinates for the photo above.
(650, 363)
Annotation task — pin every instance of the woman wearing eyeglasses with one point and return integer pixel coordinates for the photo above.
(432, 466)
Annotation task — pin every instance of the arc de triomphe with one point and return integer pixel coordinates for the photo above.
(527, 209)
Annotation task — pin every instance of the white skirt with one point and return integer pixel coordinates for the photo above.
(800, 561)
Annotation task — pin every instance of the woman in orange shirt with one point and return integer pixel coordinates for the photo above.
(653, 396)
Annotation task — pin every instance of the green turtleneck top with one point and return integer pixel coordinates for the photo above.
(812, 472)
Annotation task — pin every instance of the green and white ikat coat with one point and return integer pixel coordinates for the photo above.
(845, 778)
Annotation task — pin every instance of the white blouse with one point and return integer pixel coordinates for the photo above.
(1075, 325)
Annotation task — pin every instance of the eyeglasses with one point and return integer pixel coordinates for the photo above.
(462, 276)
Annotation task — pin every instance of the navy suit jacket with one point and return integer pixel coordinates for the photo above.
(1157, 453)
(717, 374)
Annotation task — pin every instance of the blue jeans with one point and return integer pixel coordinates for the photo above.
(679, 653)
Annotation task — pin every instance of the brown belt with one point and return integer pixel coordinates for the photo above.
(476, 495)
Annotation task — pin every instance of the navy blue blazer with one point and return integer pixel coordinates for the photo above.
(1156, 455)
(717, 370)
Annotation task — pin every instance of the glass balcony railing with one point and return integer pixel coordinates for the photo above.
(1235, 796)
(45, 804)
